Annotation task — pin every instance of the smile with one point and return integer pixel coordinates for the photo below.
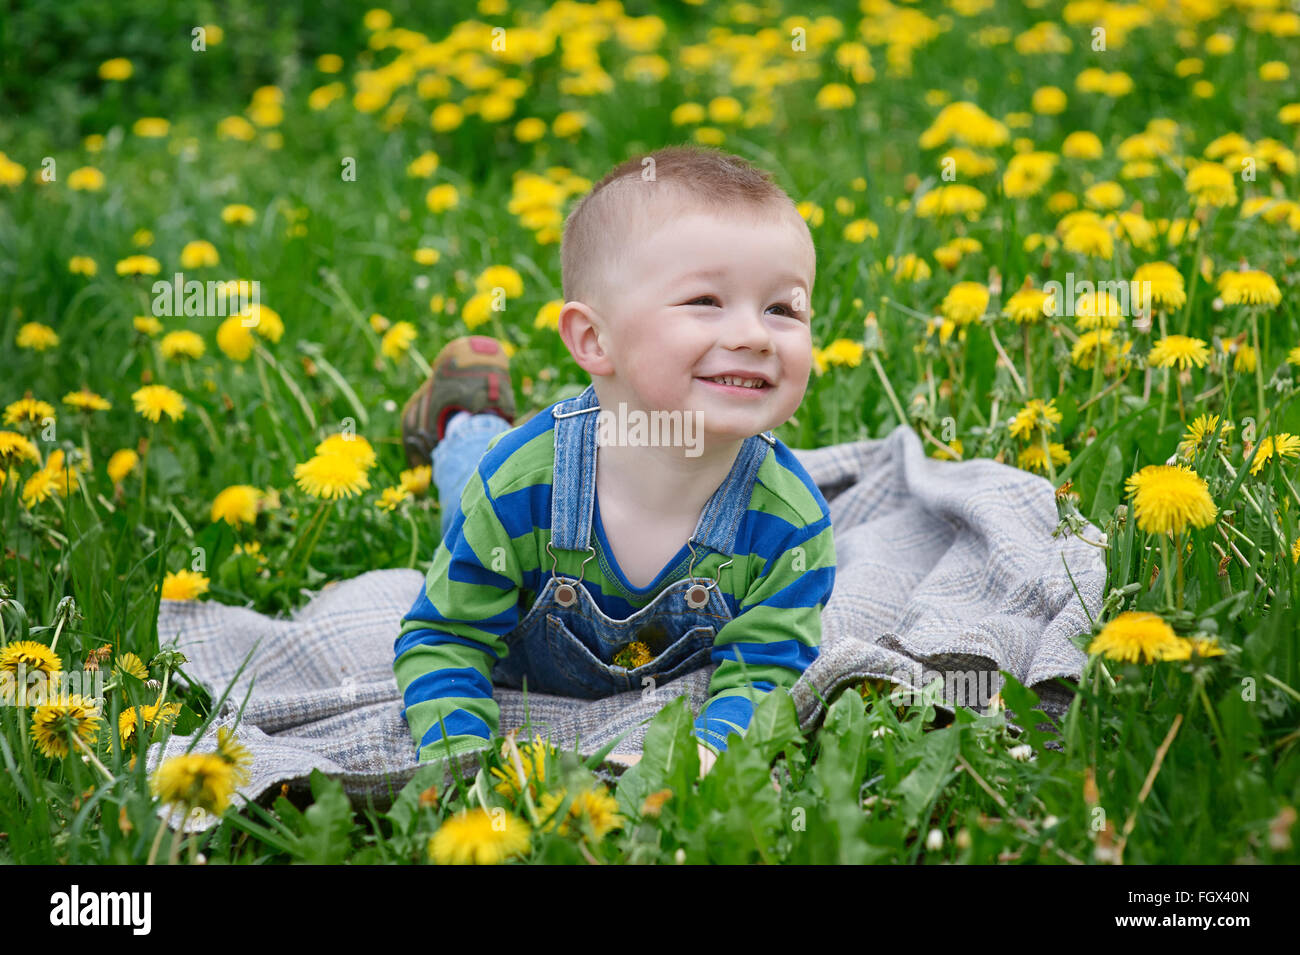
(747, 384)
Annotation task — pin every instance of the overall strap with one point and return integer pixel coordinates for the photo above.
(720, 521)
(575, 470)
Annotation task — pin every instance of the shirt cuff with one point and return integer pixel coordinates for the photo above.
(721, 717)
(459, 745)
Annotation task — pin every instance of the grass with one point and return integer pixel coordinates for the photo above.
(1192, 762)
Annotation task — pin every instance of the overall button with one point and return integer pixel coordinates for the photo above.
(565, 595)
(697, 596)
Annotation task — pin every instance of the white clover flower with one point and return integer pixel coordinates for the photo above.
(1023, 752)
(934, 841)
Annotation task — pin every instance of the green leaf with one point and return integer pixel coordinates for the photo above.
(406, 807)
(326, 823)
(1106, 496)
(774, 724)
(669, 758)
(919, 788)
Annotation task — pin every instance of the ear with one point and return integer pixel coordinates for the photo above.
(582, 328)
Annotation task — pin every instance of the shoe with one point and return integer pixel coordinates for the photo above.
(471, 373)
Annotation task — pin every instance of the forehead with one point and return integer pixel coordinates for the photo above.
(706, 244)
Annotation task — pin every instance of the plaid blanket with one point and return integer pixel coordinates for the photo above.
(943, 568)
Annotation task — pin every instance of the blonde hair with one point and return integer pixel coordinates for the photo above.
(643, 192)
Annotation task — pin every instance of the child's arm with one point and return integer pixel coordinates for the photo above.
(455, 632)
(777, 632)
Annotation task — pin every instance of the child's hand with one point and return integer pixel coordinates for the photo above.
(707, 759)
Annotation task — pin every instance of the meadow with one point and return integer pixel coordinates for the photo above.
(1062, 236)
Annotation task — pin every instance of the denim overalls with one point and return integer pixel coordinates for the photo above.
(565, 644)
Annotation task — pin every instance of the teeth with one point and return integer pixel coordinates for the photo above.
(741, 382)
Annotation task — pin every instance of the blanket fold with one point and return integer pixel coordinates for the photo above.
(945, 570)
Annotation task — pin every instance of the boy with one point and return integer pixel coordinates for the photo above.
(687, 278)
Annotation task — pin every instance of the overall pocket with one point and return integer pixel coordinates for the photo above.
(691, 652)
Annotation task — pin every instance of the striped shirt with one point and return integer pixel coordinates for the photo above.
(492, 563)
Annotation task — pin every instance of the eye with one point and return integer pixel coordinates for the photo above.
(788, 310)
(702, 298)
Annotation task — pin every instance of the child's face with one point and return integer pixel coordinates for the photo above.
(703, 296)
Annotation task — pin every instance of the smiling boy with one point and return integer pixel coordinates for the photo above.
(590, 565)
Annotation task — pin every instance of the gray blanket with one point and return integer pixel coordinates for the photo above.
(943, 567)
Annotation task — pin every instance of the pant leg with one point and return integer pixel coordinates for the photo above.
(457, 455)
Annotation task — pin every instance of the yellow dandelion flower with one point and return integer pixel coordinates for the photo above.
(952, 200)
(1211, 185)
(391, 497)
(86, 179)
(1089, 237)
(153, 401)
(121, 464)
(596, 807)
(442, 197)
(502, 277)
(1283, 445)
(965, 303)
(1249, 288)
(82, 265)
(264, 320)
(1097, 309)
(397, 340)
(236, 505)
(331, 476)
(203, 780)
(843, 352)
(1082, 145)
(423, 166)
(1104, 195)
(199, 254)
(55, 722)
(146, 325)
(548, 316)
(235, 339)
(36, 336)
(479, 837)
(32, 656)
(1200, 431)
(533, 756)
(1163, 281)
(151, 127)
(1167, 498)
(150, 717)
(426, 256)
(131, 664)
(184, 585)
(115, 70)
(1135, 637)
(1244, 360)
(182, 344)
(14, 449)
(416, 480)
(238, 214)
(1033, 458)
(86, 400)
(1085, 352)
(1035, 416)
(1179, 350)
(352, 446)
(477, 310)
(1028, 305)
(28, 410)
(138, 265)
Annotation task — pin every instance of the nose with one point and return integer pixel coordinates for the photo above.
(746, 328)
